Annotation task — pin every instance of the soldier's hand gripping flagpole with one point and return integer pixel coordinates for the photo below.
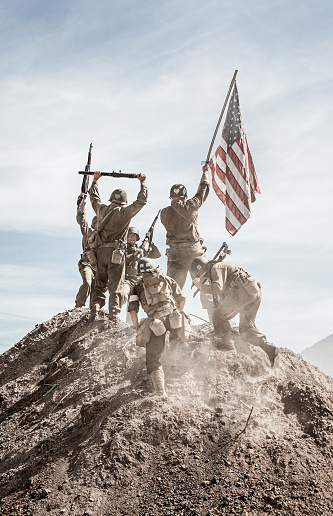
(221, 115)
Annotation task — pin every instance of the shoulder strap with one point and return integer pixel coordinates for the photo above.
(106, 219)
(182, 215)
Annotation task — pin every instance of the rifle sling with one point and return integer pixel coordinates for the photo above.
(106, 219)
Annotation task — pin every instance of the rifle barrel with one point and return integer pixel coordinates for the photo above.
(110, 174)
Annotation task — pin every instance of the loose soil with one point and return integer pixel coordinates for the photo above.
(82, 433)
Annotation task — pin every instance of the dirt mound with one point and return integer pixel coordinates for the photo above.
(82, 434)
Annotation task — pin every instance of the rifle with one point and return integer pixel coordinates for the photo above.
(85, 180)
(110, 174)
(219, 257)
(149, 238)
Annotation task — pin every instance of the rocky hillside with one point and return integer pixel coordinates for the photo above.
(321, 355)
(82, 434)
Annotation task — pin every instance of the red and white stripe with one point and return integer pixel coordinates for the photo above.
(235, 182)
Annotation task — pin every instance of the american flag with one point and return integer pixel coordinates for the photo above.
(233, 175)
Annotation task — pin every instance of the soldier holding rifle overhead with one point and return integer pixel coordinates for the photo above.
(110, 243)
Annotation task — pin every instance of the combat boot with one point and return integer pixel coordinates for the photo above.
(78, 305)
(225, 343)
(157, 378)
(272, 352)
(113, 315)
(94, 309)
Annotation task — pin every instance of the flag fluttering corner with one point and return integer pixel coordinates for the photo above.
(234, 177)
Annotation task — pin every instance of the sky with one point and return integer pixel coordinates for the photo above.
(144, 81)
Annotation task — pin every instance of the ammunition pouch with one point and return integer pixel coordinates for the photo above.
(144, 333)
(239, 278)
(172, 254)
(251, 286)
(176, 319)
(184, 331)
(163, 310)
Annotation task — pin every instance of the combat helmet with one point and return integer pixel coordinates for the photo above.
(118, 197)
(134, 231)
(198, 265)
(145, 265)
(178, 190)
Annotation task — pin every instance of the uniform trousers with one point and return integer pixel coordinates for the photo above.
(84, 291)
(109, 276)
(240, 301)
(178, 270)
(156, 345)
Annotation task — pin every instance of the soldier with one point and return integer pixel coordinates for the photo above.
(86, 268)
(238, 293)
(133, 255)
(163, 302)
(180, 221)
(110, 242)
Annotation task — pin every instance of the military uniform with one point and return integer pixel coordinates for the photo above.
(180, 220)
(86, 269)
(161, 307)
(238, 293)
(112, 275)
(133, 255)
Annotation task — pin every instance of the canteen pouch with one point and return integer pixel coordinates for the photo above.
(184, 331)
(157, 327)
(144, 333)
(172, 253)
(251, 287)
(118, 256)
(176, 319)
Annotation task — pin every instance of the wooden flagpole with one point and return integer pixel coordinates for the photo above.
(221, 115)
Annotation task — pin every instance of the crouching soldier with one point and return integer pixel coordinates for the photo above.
(238, 293)
(163, 302)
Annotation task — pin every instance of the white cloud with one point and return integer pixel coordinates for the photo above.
(145, 84)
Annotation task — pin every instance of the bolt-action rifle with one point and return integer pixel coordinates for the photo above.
(221, 254)
(110, 174)
(149, 235)
(85, 180)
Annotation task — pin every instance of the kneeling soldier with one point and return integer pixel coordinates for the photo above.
(238, 293)
(163, 302)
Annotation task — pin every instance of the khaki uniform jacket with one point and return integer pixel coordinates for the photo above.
(87, 233)
(117, 227)
(137, 296)
(180, 219)
(223, 277)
